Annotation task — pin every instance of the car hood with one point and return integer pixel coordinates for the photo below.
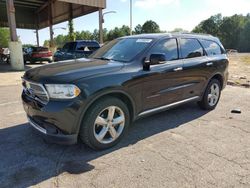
(70, 70)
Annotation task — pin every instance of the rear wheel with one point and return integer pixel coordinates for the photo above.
(105, 123)
(211, 96)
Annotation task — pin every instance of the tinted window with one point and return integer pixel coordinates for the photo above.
(69, 47)
(167, 47)
(124, 49)
(212, 48)
(81, 46)
(191, 48)
(87, 46)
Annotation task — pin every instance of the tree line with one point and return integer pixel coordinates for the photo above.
(148, 27)
(233, 31)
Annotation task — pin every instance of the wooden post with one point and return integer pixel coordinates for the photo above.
(100, 26)
(50, 9)
(11, 19)
(37, 38)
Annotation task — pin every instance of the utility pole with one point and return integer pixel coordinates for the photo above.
(131, 16)
(101, 21)
(100, 26)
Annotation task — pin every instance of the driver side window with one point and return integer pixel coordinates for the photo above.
(168, 47)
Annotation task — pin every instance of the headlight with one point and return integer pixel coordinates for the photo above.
(62, 91)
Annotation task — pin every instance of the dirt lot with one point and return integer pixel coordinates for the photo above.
(239, 69)
(183, 147)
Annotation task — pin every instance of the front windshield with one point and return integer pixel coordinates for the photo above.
(122, 49)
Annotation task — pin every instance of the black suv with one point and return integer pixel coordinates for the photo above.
(76, 50)
(96, 99)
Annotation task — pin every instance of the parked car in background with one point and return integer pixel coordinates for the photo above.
(4, 55)
(37, 54)
(96, 99)
(229, 51)
(76, 50)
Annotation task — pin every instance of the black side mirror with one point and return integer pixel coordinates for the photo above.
(157, 59)
(154, 59)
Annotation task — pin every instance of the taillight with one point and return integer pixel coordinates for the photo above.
(49, 53)
(42, 54)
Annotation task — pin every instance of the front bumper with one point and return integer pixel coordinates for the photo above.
(55, 137)
(57, 121)
(36, 59)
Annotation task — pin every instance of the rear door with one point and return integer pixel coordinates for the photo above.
(197, 66)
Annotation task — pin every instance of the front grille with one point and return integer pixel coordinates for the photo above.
(36, 91)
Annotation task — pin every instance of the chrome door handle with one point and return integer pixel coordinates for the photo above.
(210, 64)
(178, 69)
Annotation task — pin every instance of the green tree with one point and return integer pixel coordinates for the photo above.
(60, 40)
(150, 27)
(244, 45)
(210, 26)
(230, 30)
(95, 34)
(84, 35)
(138, 29)
(46, 43)
(233, 31)
(4, 37)
(176, 30)
(118, 32)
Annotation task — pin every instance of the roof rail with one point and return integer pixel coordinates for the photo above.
(202, 34)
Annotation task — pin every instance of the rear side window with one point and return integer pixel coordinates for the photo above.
(167, 47)
(68, 47)
(87, 46)
(211, 47)
(191, 48)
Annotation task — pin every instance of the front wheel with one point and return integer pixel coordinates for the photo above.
(105, 123)
(211, 96)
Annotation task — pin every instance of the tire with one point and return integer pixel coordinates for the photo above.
(211, 96)
(91, 132)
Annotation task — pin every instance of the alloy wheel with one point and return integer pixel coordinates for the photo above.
(213, 95)
(109, 124)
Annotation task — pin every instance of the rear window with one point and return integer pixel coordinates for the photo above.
(191, 48)
(87, 46)
(211, 47)
(40, 49)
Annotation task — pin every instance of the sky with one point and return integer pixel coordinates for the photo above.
(168, 14)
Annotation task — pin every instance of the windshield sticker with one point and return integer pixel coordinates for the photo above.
(144, 40)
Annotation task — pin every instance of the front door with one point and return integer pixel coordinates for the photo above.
(163, 82)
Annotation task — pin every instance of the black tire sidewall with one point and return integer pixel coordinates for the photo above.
(87, 127)
(204, 103)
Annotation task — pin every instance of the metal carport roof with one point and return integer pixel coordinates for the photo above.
(36, 14)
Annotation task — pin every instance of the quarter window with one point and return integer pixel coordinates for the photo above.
(212, 48)
(167, 47)
(191, 48)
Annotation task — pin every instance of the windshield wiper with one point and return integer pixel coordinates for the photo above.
(103, 58)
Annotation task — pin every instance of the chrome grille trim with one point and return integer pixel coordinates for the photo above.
(36, 126)
(38, 93)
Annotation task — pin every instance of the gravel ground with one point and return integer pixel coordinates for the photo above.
(182, 147)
